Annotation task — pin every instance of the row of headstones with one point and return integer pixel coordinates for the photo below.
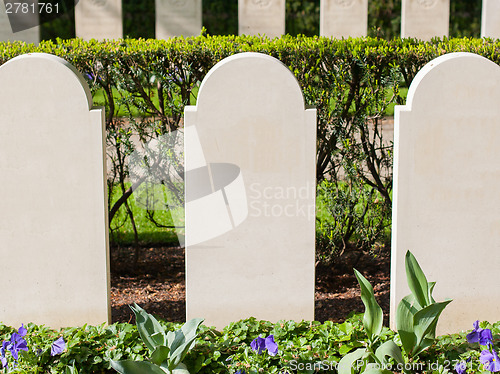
(102, 19)
(250, 201)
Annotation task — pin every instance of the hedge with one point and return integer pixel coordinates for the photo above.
(352, 83)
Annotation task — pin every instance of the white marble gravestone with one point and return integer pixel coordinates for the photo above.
(343, 18)
(250, 148)
(178, 17)
(54, 266)
(490, 19)
(425, 19)
(264, 17)
(98, 19)
(446, 187)
(31, 35)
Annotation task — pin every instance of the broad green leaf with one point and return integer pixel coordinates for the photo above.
(170, 338)
(177, 341)
(136, 367)
(373, 317)
(159, 355)
(150, 330)
(347, 363)
(404, 323)
(184, 340)
(180, 369)
(390, 349)
(71, 370)
(425, 321)
(417, 281)
(191, 327)
(431, 289)
(178, 355)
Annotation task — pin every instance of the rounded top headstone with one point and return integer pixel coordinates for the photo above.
(21, 71)
(250, 76)
(449, 75)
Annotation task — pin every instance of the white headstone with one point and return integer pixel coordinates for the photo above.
(490, 19)
(264, 17)
(446, 178)
(250, 148)
(53, 224)
(425, 19)
(30, 35)
(343, 18)
(98, 19)
(178, 17)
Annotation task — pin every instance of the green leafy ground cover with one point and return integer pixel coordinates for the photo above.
(303, 347)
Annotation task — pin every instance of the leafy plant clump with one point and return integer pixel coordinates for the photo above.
(168, 350)
(416, 320)
(295, 347)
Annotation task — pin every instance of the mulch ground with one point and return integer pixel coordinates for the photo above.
(156, 283)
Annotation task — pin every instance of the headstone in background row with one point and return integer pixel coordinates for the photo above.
(178, 17)
(54, 267)
(446, 178)
(30, 35)
(250, 147)
(343, 18)
(264, 17)
(490, 19)
(425, 19)
(98, 19)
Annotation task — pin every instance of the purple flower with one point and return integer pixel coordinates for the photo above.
(478, 335)
(57, 347)
(5, 345)
(461, 367)
(22, 330)
(258, 345)
(271, 346)
(17, 344)
(490, 360)
(485, 337)
(240, 372)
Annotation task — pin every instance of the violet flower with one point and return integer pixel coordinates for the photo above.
(57, 347)
(490, 360)
(479, 335)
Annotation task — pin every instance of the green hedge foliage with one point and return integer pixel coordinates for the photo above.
(353, 83)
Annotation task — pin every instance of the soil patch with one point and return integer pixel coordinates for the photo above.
(157, 283)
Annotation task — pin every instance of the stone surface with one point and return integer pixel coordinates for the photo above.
(99, 19)
(343, 18)
(446, 177)
(265, 17)
(31, 35)
(425, 19)
(178, 17)
(490, 19)
(53, 228)
(250, 194)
